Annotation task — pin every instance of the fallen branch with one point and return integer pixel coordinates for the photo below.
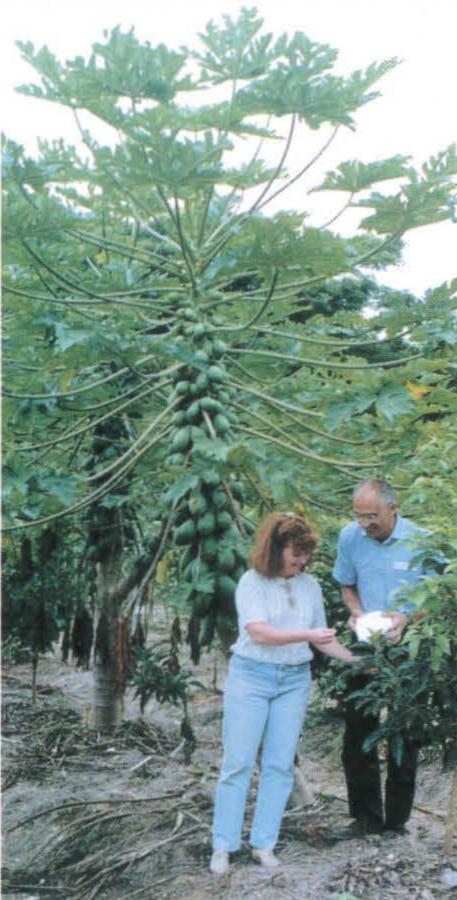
(51, 809)
(131, 857)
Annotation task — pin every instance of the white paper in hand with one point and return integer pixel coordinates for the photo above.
(371, 625)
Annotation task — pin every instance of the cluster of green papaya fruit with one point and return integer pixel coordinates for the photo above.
(213, 555)
(201, 388)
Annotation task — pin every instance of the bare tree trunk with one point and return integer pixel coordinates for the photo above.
(108, 699)
(108, 693)
(34, 674)
(451, 817)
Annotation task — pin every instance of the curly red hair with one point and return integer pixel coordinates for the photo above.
(273, 534)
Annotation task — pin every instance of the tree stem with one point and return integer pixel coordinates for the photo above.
(451, 821)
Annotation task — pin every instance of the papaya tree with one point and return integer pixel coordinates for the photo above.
(156, 287)
(40, 583)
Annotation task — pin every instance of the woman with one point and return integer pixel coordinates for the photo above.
(280, 613)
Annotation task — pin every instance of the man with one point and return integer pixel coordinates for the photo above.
(374, 561)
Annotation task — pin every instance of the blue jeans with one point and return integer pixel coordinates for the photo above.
(261, 700)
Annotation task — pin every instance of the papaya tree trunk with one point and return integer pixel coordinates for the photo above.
(34, 674)
(108, 699)
(108, 692)
(451, 817)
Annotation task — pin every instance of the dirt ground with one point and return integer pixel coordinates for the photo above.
(86, 816)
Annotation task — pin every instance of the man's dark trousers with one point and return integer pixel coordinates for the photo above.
(362, 770)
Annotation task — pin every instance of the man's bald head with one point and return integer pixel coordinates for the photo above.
(375, 508)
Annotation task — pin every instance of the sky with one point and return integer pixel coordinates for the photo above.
(416, 115)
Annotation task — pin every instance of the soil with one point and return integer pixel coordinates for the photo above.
(127, 816)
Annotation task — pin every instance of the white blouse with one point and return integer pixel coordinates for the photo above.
(283, 602)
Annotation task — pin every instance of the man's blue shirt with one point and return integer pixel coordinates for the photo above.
(378, 569)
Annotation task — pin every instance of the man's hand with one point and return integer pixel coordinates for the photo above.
(353, 619)
(399, 623)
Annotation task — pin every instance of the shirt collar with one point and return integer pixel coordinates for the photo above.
(399, 530)
(397, 533)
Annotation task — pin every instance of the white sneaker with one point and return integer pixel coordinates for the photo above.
(219, 864)
(266, 858)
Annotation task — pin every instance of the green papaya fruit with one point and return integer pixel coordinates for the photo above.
(211, 478)
(207, 630)
(215, 373)
(182, 387)
(176, 459)
(195, 568)
(185, 533)
(237, 490)
(201, 604)
(206, 525)
(201, 383)
(211, 404)
(201, 356)
(198, 505)
(219, 347)
(179, 418)
(210, 548)
(226, 560)
(219, 499)
(193, 412)
(200, 329)
(221, 423)
(181, 440)
(225, 587)
(223, 520)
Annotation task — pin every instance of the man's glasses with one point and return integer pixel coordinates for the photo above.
(365, 517)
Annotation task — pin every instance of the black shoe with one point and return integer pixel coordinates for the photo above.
(360, 828)
(394, 830)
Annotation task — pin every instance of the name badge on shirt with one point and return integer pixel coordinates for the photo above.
(401, 564)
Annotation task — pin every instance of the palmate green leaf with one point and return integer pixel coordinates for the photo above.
(316, 98)
(340, 412)
(276, 244)
(393, 401)
(66, 337)
(166, 161)
(16, 474)
(444, 164)
(204, 583)
(145, 125)
(421, 201)
(182, 592)
(234, 51)
(63, 488)
(180, 488)
(354, 176)
(42, 218)
(374, 252)
(121, 67)
(391, 213)
(214, 449)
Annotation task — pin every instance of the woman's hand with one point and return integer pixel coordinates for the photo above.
(321, 636)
